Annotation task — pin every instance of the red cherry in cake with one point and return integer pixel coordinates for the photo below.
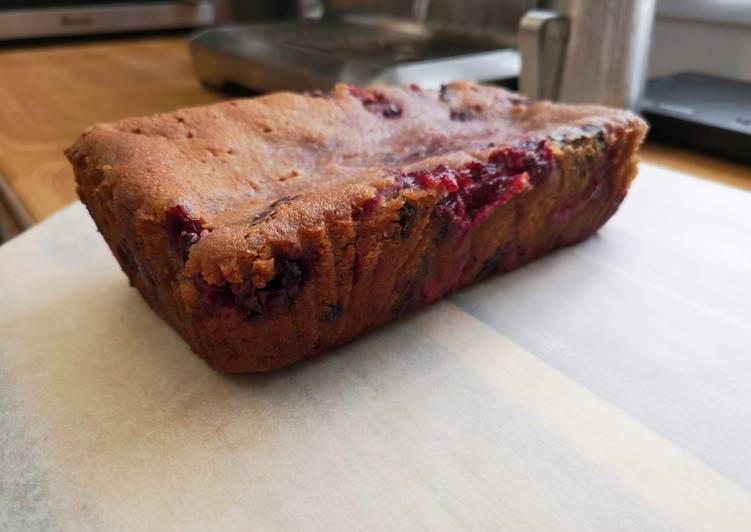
(376, 103)
(478, 188)
(184, 231)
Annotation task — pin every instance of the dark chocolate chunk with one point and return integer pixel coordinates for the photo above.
(407, 217)
(332, 312)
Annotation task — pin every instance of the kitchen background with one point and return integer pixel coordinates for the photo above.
(605, 387)
(47, 101)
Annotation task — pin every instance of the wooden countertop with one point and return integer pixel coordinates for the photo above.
(52, 92)
(698, 164)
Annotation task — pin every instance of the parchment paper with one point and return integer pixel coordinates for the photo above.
(606, 387)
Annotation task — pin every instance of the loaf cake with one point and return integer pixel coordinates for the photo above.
(271, 229)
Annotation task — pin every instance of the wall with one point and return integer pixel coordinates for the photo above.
(705, 41)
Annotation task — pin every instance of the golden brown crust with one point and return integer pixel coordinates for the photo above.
(271, 229)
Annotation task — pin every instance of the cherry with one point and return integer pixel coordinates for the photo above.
(184, 231)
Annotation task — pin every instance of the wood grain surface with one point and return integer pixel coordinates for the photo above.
(698, 164)
(51, 93)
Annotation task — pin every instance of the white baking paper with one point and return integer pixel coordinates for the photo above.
(606, 387)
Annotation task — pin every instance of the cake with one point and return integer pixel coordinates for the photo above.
(269, 230)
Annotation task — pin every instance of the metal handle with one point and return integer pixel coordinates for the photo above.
(543, 37)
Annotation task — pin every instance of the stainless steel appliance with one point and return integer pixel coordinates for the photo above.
(49, 18)
(701, 111)
(367, 42)
(586, 50)
(571, 50)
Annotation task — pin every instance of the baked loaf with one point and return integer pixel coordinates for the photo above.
(269, 230)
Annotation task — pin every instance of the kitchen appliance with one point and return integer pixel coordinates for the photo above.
(584, 51)
(49, 18)
(569, 50)
(704, 112)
